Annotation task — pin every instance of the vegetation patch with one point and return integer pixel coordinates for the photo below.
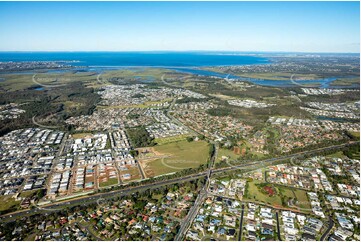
(139, 137)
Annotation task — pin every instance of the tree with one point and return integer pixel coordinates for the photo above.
(134, 153)
(139, 137)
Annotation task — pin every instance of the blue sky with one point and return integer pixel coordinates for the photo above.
(233, 26)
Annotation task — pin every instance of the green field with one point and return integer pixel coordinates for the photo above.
(226, 152)
(301, 197)
(177, 156)
(255, 194)
(338, 154)
(233, 157)
(297, 194)
(111, 181)
(8, 203)
(355, 134)
(162, 141)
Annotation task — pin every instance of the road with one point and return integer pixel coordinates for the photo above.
(278, 227)
(241, 224)
(330, 226)
(281, 158)
(199, 201)
(142, 173)
(93, 198)
(191, 215)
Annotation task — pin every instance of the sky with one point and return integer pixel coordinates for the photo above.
(180, 26)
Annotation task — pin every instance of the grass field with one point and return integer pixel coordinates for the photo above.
(298, 195)
(81, 135)
(226, 152)
(175, 156)
(338, 154)
(232, 156)
(7, 202)
(111, 181)
(255, 194)
(162, 141)
(301, 197)
(355, 134)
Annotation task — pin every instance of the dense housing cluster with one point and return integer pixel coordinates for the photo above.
(10, 111)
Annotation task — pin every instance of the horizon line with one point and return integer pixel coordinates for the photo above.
(237, 51)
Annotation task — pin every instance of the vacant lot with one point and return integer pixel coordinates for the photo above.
(255, 193)
(109, 182)
(175, 156)
(226, 153)
(130, 173)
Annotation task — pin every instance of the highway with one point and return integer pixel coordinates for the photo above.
(49, 208)
(126, 191)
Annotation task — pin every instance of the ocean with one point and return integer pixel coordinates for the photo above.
(134, 59)
(189, 62)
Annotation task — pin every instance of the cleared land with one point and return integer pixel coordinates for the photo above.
(222, 152)
(175, 156)
(133, 171)
(109, 182)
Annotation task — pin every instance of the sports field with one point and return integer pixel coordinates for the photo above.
(175, 156)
